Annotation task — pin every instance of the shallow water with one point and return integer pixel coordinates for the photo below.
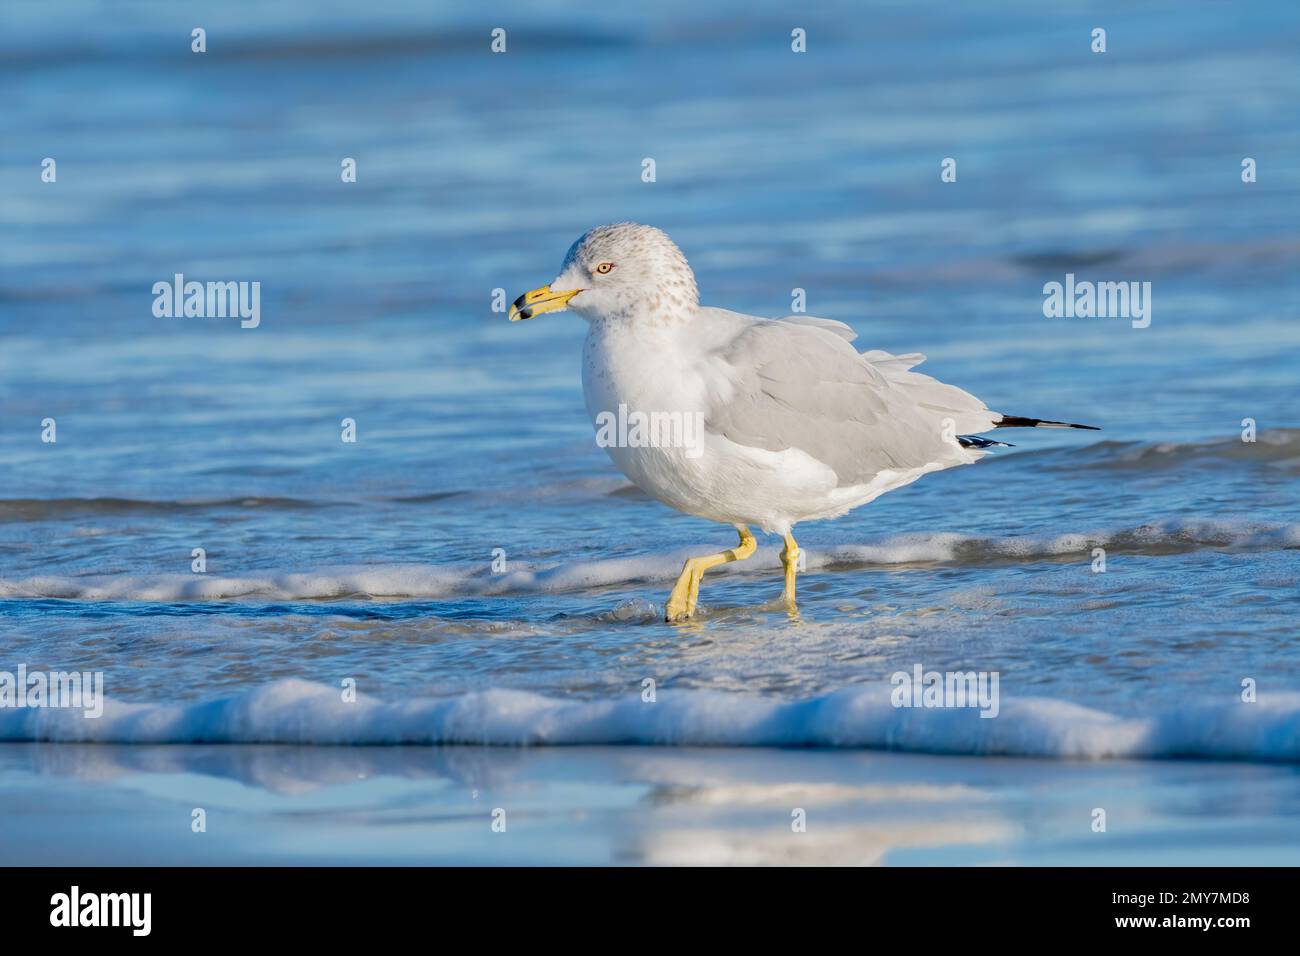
(373, 560)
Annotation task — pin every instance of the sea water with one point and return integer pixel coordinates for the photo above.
(472, 568)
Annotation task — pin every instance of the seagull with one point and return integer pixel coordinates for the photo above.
(744, 420)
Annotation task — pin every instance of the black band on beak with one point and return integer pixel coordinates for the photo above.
(521, 310)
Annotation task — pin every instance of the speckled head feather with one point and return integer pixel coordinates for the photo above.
(645, 274)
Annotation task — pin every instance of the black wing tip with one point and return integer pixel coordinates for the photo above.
(1017, 421)
(975, 441)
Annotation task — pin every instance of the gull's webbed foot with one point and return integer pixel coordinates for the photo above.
(686, 592)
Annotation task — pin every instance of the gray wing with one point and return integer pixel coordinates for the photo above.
(802, 385)
(841, 329)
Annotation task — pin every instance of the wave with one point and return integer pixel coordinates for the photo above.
(1273, 447)
(328, 41)
(446, 582)
(1157, 258)
(1172, 536)
(44, 509)
(1277, 448)
(53, 509)
(859, 717)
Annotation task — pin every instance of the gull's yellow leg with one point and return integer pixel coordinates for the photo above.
(790, 561)
(681, 603)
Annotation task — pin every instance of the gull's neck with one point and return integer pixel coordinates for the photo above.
(656, 311)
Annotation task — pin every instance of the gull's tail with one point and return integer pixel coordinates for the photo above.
(1015, 421)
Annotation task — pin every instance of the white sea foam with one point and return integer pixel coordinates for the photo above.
(297, 712)
(443, 582)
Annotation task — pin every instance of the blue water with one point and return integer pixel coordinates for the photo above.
(775, 171)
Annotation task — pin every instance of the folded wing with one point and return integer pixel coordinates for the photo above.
(800, 384)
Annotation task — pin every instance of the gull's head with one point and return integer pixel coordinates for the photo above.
(617, 271)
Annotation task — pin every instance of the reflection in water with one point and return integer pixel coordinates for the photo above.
(630, 805)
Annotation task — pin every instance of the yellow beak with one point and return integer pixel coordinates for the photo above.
(540, 300)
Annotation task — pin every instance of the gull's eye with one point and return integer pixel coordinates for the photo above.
(605, 268)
